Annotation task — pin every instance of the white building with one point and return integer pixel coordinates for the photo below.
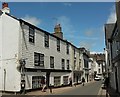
(28, 53)
(84, 56)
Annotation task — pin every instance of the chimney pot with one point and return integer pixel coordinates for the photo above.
(4, 5)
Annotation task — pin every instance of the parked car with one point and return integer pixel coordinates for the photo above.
(97, 78)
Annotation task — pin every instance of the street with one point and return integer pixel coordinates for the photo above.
(88, 89)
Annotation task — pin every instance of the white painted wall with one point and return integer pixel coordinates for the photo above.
(10, 34)
(15, 45)
(38, 47)
(1, 81)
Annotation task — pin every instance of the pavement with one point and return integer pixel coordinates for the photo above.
(110, 93)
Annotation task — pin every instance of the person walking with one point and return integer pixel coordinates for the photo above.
(70, 80)
(83, 81)
(43, 82)
(106, 83)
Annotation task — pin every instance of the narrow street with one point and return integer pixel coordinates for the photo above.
(88, 89)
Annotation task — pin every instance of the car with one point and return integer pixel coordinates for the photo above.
(97, 78)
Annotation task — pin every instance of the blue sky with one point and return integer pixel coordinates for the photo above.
(82, 23)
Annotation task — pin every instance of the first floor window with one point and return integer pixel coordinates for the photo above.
(51, 62)
(63, 64)
(68, 65)
(38, 59)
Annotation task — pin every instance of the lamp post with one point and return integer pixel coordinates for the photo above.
(4, 78)
(116, 79)
(22, 63)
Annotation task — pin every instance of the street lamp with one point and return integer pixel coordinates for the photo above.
(22, 70)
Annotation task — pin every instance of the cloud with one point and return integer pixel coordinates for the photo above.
(67, 4)
(32, 20)
(112, 17)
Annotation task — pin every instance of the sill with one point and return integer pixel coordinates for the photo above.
(46, 47)
(38, 66)
(32, 43)
(58, 51)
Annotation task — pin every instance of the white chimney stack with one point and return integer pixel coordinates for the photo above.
(5, 8)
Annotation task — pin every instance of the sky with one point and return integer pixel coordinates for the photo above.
(82, 22)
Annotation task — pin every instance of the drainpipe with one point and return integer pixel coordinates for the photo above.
(4, 79)
(116, 79)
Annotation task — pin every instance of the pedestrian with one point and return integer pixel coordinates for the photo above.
(70, 81)
(50, 87)
(106, 83)
(83, 81)
(43, 82)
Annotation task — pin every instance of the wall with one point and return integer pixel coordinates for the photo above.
(10, 40)
(1, 81)
(28, 50)
(38, 46)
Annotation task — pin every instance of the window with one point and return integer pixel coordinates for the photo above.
(63, 64)
(65, 80)
(58, 45)
(46, 40)
(99, 65)
(51, 62)
(85, 63)
(38, 59)
(42, 60)
(74, 53)
(98, 70)
(31, 34)
(57, 80)
(36, 82)
(68, 65)
(67, 48)
(74, 64)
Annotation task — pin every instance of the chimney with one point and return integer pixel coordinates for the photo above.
(58, 31)
(5, 8)
(4, 5)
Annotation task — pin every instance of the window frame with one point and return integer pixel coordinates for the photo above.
(58, 45)
(31, 34)
(68, 64)
(67, 48)
(63, 64)
(40, 59)
(46, 40)
(51, 62)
